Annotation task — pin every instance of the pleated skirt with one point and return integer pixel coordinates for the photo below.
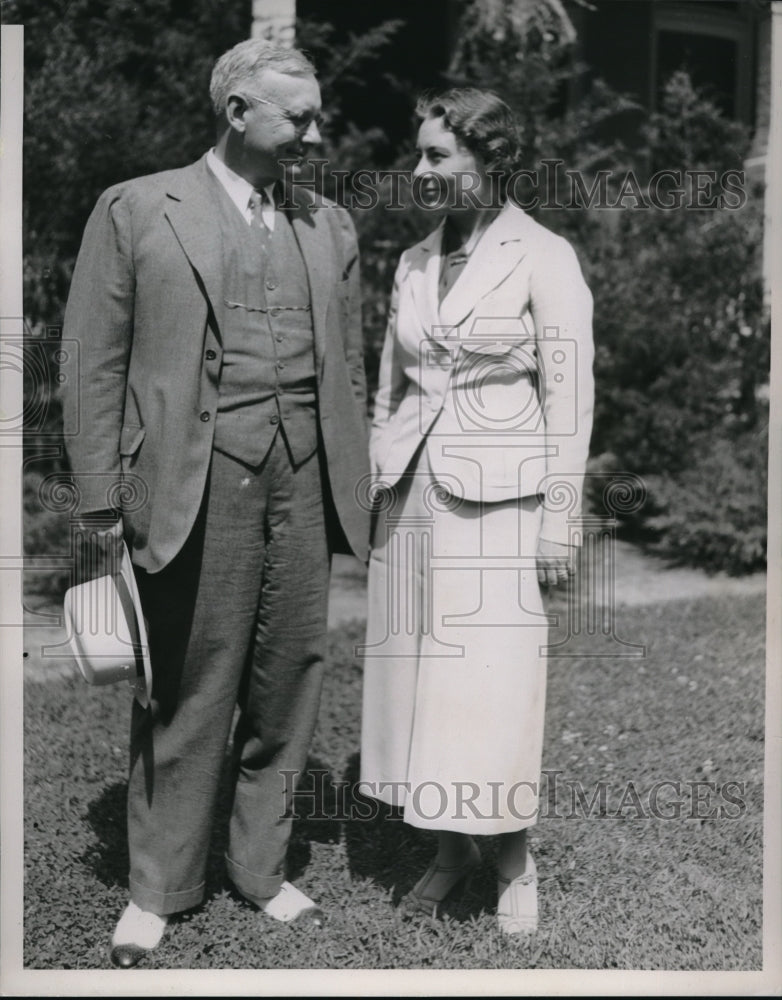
(454, 660)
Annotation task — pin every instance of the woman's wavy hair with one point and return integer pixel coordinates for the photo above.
(483, 123)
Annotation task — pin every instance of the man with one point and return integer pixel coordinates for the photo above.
(222, 384)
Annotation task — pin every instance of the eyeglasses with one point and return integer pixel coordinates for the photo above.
(301, 123)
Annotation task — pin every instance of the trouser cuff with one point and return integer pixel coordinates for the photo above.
(165, 903)
(259, 889)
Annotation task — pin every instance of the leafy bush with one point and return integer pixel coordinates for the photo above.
(682, 355)
(46, 540)
(681, 332)
(713, 514)
(111, 91)
(682, 337)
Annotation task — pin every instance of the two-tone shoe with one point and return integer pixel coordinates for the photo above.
(137, 933)
(292, 904)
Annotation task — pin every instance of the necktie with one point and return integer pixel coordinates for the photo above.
(260, 207)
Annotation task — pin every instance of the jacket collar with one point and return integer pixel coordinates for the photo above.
(496, 255)
(423, 277)
(191, 213)
(313, 235)
(498, 252)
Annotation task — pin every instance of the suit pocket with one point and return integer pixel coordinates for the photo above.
(499, 329)
(523, 353)
(130, 440)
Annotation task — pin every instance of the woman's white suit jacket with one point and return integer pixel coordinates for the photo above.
(497, 378)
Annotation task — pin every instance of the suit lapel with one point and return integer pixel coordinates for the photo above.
(191, 214)
(495, 256)
(313, 235)
(423, 277)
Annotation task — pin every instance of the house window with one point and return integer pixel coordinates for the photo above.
(710, 61)
(714, 43)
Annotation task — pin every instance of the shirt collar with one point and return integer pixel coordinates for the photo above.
(237, 188)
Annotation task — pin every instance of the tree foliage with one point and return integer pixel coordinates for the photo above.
(112, 90)
(681, 331)
(682, 337)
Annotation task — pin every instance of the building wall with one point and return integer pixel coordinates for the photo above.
(635, 46)
(275, 20)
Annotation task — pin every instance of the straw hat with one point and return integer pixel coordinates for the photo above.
(107, 632)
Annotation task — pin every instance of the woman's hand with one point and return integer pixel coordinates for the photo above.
(556, 562)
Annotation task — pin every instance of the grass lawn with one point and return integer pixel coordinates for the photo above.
(624, 883)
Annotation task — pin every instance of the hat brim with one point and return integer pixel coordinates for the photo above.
(107, 632)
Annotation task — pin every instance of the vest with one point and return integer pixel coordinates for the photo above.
(267, 378)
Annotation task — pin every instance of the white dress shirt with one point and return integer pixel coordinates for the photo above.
(239, 190)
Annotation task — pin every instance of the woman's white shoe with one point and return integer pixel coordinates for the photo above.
(517, 901)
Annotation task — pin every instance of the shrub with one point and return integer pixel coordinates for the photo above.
(713, 514)
(682, 337)
(681, 332)
(46, 538)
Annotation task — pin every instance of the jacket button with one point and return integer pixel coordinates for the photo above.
(271, 285)
(274, 419)
(211, 355)
(205, 417)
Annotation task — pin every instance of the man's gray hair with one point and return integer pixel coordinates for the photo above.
(239, 67)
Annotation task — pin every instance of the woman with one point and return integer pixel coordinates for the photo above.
(480, 437)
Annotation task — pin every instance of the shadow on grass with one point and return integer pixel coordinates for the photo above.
(318, 818)
(382, 847)
(107, 815)
(311, 823)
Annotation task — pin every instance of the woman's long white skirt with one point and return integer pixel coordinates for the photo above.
(455, 672)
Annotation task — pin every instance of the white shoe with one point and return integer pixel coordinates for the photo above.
(517, 903)
(137, 932)
(291, 903)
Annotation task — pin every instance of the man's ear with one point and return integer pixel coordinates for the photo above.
(235, 109)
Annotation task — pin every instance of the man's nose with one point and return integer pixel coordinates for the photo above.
(312, 134)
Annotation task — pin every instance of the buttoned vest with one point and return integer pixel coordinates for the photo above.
(267, 378)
